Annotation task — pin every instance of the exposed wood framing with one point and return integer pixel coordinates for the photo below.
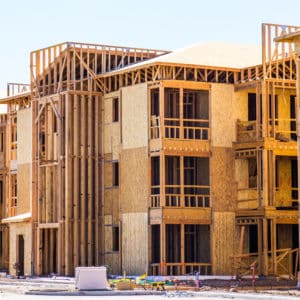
(66, 96)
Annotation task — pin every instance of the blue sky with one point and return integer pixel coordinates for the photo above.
(27, 25)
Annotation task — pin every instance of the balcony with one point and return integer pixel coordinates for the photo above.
(174, 206)
(247, 198)
(283, 130)
(248, 131)
(188, 129)
(173, 197)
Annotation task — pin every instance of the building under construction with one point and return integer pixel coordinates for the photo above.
(152, 161)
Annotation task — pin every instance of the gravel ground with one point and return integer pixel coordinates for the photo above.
(64, 288)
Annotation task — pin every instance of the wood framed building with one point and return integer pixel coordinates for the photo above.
(154, 161)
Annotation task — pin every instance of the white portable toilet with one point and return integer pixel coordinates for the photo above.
(90, 278)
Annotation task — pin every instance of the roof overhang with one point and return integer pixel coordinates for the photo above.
(9, 99)
(18, 218)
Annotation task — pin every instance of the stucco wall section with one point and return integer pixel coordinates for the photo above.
(134, 117)
(16, 229)
(135, 243)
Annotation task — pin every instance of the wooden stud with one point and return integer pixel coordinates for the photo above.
(90, 179)
(83, 182)
(76, 185)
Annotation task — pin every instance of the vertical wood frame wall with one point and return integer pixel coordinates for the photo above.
(67, 180)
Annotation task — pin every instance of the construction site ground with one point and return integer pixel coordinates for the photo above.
(64, 288)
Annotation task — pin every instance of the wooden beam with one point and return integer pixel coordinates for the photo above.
(83, 193)
(68, 186)
(90, 180)
(76, 184)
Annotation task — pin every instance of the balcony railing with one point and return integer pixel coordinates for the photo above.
(192, 129)
(191, 196)
(284, 129)
(247, 198)
(248, 131)
(180, 268)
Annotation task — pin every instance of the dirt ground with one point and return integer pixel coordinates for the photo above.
(66, 286)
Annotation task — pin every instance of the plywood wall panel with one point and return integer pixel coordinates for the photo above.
(111, 204)
(223, 189)
(224, 241)
(24, 129)
(240, 104)
(134, 116)
(135, 243)
(283, 195)
(222, 115)
(23, 188)
(112, 259)
(134, 189)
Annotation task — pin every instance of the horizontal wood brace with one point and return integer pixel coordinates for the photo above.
(48, 225)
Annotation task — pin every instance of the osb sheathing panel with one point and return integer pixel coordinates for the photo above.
(134, 116)
(24, 130)
(224, 242)
(111, 203)
(223, 185)
(134, 180)
(112, 259)
(108, 173)
(112, 140)
(134, 243)
(23, 188)
(283, 195)
(222, 115)
(240, 105)
(108, 233)
(16, 229)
